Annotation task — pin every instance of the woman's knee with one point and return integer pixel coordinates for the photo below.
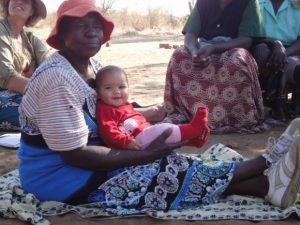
(261, 53)
(181, 52)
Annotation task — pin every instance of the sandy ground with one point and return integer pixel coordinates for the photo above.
(146, 65)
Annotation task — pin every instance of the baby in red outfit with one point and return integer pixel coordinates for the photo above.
(121, 126)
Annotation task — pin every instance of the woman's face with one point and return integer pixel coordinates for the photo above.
(20, 8)
(83, 36)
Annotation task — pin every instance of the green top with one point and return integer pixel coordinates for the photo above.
(15, 60)
(250, 26)
(283, 25)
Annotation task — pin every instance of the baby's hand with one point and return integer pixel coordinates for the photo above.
(134, 145)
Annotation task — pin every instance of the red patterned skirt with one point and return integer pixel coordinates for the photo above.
(228, 87)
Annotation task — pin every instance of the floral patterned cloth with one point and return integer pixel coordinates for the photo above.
(228, 87)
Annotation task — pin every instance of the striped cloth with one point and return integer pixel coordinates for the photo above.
(53, 103)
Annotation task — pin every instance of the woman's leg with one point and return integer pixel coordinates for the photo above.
(249, 169)
(297, 74)
(228, 87)
(295, 105)
(290, 82)
(175, 75)
(279, 184)
(255, 167)
(261, 54)
(256, 186)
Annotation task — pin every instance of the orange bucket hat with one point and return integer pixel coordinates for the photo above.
(77, 8)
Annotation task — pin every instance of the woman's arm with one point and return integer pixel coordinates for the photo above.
(277, 58)
(191, 43)
(9, 78)
(202, 55)
(102, 158)
(41, 51)
(153, 113)
(16, 83)
(239, 42)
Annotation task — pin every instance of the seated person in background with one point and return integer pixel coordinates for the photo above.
(214, 70)
(20, 54)
(278, 56)
(120, 126)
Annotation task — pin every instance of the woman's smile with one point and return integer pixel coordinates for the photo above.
(18, 7)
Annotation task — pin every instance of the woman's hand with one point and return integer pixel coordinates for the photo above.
(199, 61)
(201, 57)
(154, 113)
(134, 145)
(100, 158)
(160, 147)
(16, 83)
(278, 58)
(207, 51)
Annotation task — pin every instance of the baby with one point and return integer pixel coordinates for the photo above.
(121, 126)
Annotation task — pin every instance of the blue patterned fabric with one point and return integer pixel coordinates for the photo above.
(9, 114)
(174, 182)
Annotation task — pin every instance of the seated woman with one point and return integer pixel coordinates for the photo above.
(60, 148)
(214, 69)
(278, 56)
(20, 54)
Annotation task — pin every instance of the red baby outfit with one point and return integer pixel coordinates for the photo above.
(119, 125)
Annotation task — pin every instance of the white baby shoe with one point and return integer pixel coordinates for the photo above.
(284, 177)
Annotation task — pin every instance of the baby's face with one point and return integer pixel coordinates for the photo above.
(113, 89)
